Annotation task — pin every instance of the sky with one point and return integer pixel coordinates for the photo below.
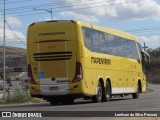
(138, 17)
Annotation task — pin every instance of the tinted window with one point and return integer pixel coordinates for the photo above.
(95, 37)
(131, 50)
(140, 48)
(101, 42)
(87, 37)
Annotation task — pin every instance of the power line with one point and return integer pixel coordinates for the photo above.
(146, 28)
(17, 1)
(136, 30)
(14, 39)
(150, 30)
(143, 29)
(54, 4)
(158, 34)
(78, 8)
(2, 1)
(12, 42)
(40, 5)
(10, 38)
(14, 33)
(31, 7)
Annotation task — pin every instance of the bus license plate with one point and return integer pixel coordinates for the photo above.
(53, 88)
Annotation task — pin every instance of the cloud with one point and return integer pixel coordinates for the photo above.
(112, 10)
(10, 35)
(12, 21)
(151, 41)
(144, 9)
(77, 16)
(11, 38)
(47, 19)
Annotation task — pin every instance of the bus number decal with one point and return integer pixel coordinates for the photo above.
(97, 60)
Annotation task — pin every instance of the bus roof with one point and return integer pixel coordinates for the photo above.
(104, 29)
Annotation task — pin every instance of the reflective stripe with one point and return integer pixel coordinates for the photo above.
(123, 90)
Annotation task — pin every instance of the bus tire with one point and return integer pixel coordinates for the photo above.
(107, 91)
(67, 101)
(136, 95)
(54, 101)
(98, 97)
(122, 95)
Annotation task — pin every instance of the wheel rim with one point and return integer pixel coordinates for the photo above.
(107, 91)
(99, 94)
(138, 89)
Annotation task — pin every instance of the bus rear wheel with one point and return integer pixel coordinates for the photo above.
(107, 92)
(54, 101)
(122, 95)
(98, 97)
(136, 95)
(67, 101)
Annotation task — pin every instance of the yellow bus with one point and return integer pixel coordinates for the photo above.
(73, 59)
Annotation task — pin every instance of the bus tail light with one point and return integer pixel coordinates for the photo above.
(78, 73)
(30, 76)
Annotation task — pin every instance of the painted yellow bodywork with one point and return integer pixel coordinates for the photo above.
(122, 72)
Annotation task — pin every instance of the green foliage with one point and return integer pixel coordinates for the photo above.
(153, 69)
(18, 97)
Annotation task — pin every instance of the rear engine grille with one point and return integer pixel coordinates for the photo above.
(52, 56)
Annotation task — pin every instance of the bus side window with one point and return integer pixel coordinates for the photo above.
(87, 37)
(140, 48)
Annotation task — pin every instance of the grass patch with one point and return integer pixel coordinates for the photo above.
(18, 97)
(2, 101)
(149, 90)
(38, 100)
(154, 83)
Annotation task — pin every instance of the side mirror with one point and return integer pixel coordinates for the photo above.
(145, 61)
(146, 58)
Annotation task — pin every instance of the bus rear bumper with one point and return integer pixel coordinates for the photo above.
(54, 90)
(49, 90)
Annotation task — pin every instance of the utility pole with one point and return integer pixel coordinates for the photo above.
(50, 11)
(4, 51)
(145, 47)
(156, 55)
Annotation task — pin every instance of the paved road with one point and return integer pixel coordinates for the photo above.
(146, 102)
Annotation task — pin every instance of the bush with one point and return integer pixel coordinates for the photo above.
(18, 97)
